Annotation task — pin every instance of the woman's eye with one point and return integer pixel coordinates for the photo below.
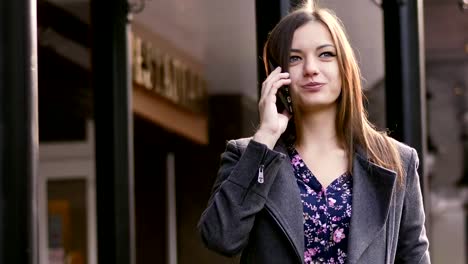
(327, 54)
(294, 58)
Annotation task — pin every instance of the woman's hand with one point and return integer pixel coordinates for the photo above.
(272, 123)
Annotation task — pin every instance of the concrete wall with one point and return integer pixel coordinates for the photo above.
(180, 22)
(446, 28)
(218, 33)
(444, 120)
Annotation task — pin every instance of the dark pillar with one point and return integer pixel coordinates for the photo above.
(405, 75)
(268, 13)
(114, 132)
(18, 132)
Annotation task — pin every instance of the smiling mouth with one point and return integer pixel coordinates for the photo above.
(313, 86)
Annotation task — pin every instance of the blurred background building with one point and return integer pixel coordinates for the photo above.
(136, 100)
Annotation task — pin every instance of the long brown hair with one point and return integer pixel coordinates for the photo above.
(352, 125)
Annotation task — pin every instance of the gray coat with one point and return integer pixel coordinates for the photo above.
(264, 221)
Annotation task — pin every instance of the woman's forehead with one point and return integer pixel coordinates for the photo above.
(313, 34)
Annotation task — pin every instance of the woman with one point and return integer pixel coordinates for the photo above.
(320, 184)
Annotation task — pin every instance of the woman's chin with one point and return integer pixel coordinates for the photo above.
(313, 105)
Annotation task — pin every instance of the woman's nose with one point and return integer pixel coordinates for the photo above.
(310, 67)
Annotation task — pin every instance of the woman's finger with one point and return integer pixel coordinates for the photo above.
(274, 78)
(269, 77)
(274, 88)
(272, 73)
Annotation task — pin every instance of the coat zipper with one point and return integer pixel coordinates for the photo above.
(285, 233)
(261, 178)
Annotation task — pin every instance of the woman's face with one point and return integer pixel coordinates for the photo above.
(313, 68)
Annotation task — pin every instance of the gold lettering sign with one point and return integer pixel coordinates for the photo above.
(167, 75)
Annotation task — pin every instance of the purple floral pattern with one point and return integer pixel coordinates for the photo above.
(327, 214)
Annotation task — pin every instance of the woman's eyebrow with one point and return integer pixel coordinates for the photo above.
(319, 47)
(325, 46)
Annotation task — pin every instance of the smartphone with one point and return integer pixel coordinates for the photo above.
(283, 97)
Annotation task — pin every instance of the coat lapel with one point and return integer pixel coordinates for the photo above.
(285, 205)
(372, 192)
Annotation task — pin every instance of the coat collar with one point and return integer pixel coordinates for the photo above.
(373, 186)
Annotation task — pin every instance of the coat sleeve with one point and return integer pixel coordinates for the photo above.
(413, 245)
(238, 196)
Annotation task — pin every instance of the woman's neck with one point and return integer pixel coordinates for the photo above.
(316, 130)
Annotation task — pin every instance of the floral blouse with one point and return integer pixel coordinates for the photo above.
(327, 214)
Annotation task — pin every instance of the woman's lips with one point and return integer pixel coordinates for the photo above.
(313, 86)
